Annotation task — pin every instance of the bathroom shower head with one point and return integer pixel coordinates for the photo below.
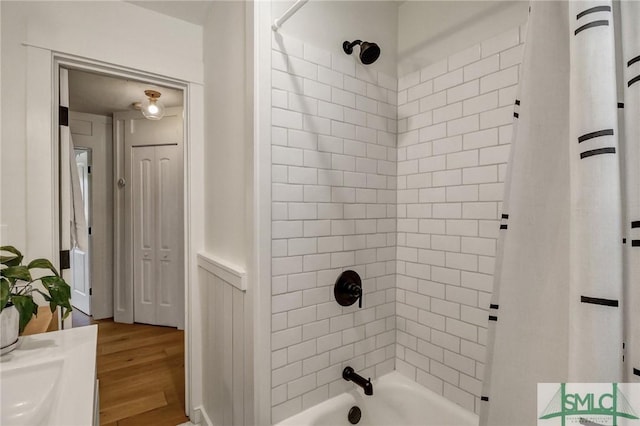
(369, 52)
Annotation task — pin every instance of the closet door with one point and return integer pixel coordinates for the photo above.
(157, 230)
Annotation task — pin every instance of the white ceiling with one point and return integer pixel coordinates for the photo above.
(104, 95)
(188, 10)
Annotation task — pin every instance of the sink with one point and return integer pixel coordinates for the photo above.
(29, 393)
(50, 380)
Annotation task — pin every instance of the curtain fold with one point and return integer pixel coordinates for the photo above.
(568, 269)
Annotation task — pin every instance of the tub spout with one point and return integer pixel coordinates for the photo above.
(349, 374)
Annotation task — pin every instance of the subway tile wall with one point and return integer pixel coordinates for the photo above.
(454, 134)
(334, 126)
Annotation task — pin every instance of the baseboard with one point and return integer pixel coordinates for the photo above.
(200, 417)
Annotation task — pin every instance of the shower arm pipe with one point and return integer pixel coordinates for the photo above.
(277, 23)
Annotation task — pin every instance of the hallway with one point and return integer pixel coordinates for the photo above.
(141, 373)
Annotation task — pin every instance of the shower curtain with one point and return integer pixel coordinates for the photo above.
(566, 302)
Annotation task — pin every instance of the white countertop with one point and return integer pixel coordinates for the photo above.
(50, 379)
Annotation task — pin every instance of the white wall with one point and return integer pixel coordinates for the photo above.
(228, 132)
(429, 31)
(327, 24)
(105, 31)
(228, 75)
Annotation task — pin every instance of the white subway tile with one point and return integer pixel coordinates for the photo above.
(507, 95)
(298, 246)
(480, 210)
(315, 124)
(330, 77)
(343, 130)
(286, 81)
(354, 116)
(301, 139)
(483, 174)
(330, 110)
(303, 68)
(501, 42)
(447, 210)
(462, 159)
(318, 56)
(286, 192)
(476, 281)
(481, 68)
(286, 302)
(436, 131)
(511, 57)
(433, 101)
(315, 262)
(343, 64)
(498, 80)
(320, 160)
(433, 70)
(330, 144)
(447, 145)
(452, 78)
(491, 192)
(317, 193)
(343, 97)
(282, 339)
(366, 104)
(481, 103)
(446, 178)
(463, 91)
(495, 154)
(303, 175)
(420, 91)
(317, 90)
(463, 193)
(448, 112)
(480, 139)
(316, 228)
(286, 118)
(463, 125)
(496, 117)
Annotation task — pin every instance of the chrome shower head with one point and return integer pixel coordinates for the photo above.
(369, 52)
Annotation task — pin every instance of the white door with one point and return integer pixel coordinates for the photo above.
(81, 285)
(157, 225)
(149, 227)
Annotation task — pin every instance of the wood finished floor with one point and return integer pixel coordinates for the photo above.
(141, 373)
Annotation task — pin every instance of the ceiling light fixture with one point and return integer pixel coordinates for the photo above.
(151, 107)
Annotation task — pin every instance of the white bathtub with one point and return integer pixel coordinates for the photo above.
(396, 401)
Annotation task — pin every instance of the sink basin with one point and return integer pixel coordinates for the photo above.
(29, 393)
(50, 379)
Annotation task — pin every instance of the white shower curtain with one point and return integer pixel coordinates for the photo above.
(566, 303)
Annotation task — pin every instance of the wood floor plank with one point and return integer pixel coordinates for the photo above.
(132, 407)
(141, 372)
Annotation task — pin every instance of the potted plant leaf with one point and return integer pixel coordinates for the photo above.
(17, 306)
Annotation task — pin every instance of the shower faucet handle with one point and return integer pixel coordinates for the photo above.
(348, 289)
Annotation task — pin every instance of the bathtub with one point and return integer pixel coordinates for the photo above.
(396, 401)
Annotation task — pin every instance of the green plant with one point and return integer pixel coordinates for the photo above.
(16, 289)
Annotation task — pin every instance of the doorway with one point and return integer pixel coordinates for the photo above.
(154, 184)
(132, 265)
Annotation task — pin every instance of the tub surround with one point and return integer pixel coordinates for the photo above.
(454, 133)
(333, 209)
(50, 378)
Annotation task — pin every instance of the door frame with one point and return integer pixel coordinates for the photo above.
(193, 181)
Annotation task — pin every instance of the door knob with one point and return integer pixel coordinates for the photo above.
(121, 183)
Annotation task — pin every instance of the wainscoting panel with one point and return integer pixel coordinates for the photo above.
(223, 307)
